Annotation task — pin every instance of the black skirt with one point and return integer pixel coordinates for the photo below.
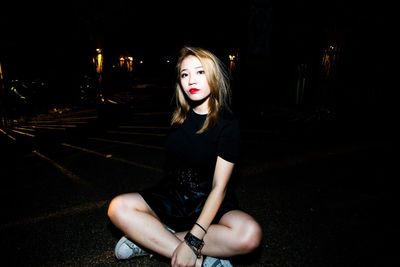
(179, 202)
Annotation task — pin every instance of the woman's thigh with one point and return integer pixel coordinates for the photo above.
(235, 218)
(131, 202)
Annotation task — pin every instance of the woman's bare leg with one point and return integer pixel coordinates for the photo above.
(133, 216)
(236, 233)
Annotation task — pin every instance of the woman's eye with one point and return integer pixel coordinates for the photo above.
(201, 72)
(183, 75)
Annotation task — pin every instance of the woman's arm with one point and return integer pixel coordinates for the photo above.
(222, 174)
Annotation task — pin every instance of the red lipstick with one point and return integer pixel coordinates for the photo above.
(193, 90)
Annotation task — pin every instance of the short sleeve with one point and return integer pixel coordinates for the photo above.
(229, 141)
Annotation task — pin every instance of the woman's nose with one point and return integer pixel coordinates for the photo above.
(192, 80)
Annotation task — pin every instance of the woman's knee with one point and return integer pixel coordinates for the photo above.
(249, 237)
(122, 204)
(246, 231)
(115, 207)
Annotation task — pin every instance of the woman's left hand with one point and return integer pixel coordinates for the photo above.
(183, 256)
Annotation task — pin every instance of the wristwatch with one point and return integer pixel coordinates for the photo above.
(194, 243)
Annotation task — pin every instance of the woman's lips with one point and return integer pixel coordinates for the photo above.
(193, 90)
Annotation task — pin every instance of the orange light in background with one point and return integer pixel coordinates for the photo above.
(329, 58)
(98, 61)
(232, 63)
(121, 61)
(126, 62)
(1, 73)
(129, 64)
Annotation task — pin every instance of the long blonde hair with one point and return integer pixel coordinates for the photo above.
(217, 77)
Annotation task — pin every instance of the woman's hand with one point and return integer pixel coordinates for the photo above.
(183, 256)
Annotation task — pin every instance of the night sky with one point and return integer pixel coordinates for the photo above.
(126, 24)
(69, 27)
(50, 29)
(60, 37)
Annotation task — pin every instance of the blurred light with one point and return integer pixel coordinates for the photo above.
(129, 64)
(126, 62)
(232, 63)
(1, 73)
(98, 61)
(329, 59)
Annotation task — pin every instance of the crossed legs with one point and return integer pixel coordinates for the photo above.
(236, 233)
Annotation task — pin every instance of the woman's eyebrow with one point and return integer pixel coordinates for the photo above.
(199, 67)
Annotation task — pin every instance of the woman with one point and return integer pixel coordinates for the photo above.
(194, 198)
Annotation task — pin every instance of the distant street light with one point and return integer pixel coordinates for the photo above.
(3, 118)
(98, 63)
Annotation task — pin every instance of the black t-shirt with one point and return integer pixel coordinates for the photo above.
(190, 162)
(185, 148)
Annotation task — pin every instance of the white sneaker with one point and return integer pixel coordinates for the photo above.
(216, 262)
(126, 249)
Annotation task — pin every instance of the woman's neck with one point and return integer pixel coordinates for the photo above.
(202, 108)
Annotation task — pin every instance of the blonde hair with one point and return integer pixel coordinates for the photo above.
(217, 77)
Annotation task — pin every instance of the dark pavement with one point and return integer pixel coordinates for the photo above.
(323, 191)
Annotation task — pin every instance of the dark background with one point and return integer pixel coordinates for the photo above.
(278, 42)
(318, 169)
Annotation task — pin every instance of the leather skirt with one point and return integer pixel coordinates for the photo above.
(179, 199)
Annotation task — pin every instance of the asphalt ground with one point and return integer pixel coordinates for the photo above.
(324, 192)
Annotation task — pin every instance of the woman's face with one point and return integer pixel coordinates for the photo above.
(193, 79)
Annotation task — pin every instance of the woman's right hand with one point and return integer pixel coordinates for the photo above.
(183, 256)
